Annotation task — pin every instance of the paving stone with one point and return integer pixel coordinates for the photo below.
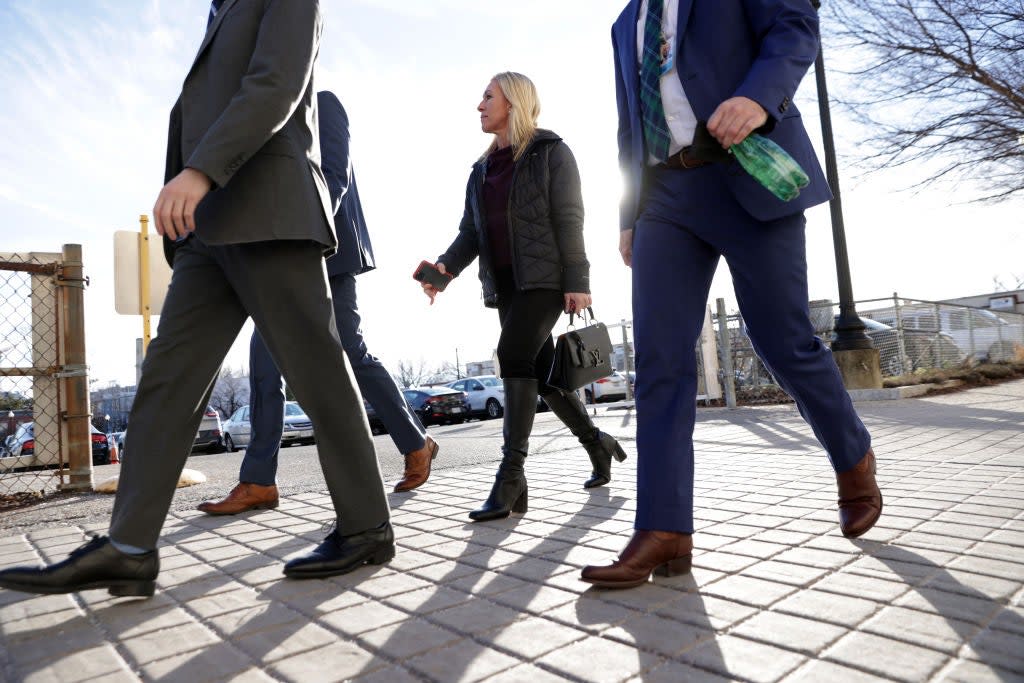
(659, 634)
(391, 674)
(130, 622)
(534, 599)
(841, 610)
(790, 632)
(599, 660)
(363, 617)
(818, 671)
(428, 600)
(927, 629)
(950, 605)
(785, 572)
(213, 663)
(881, 656)
(998, 648)
(531, 637)
(475, 617)
(748, 590)
(706, 611)
(409, 638)
(169, 642)
(743, 659)
(861, 586)
(339, 661)
(675, 672)
(966, 671)
(94, 664)
(467, 661)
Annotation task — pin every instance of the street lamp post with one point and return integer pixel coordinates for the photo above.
(857, 360)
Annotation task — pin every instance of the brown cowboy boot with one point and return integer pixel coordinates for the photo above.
(417, 466)
(665, 553)
(243, 497)
(860, 499)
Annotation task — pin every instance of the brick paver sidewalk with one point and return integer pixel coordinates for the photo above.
(934, 592)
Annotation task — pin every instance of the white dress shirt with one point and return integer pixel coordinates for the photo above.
(678, 113)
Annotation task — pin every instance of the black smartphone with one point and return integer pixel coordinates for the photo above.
(428, 272)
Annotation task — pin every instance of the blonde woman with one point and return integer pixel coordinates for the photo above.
(524, 220)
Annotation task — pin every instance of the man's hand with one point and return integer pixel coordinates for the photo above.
(175, 208)
(735, 119)
(626, 246)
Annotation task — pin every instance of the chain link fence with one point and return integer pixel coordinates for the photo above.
(911, 335)
(42, 449)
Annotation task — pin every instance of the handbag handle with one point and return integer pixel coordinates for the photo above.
(572, 316)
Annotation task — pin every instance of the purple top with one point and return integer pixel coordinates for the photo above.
(497, 188)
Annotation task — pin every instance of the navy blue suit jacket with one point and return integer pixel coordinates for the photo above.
(758, 49)
(355, 253)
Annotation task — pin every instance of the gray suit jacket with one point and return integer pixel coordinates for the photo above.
(246, 117)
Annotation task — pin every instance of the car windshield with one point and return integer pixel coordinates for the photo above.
(292, 410)
(489, 381)
(437, 391)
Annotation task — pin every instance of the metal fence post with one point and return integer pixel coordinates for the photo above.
(901, 345)
(725, 354)
(627, 360)
(74, 374)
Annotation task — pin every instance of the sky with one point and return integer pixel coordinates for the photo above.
(88, 84)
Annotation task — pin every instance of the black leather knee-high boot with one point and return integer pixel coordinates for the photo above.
(600, 447)
(509, 493)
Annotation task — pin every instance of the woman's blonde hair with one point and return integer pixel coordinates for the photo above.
(522, 118)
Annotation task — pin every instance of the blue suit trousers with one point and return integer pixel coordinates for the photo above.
(688, 221)
(267, 397)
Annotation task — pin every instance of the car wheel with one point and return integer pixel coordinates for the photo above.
(494, 409)
(229, 445)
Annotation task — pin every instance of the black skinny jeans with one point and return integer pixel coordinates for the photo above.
(525, 347)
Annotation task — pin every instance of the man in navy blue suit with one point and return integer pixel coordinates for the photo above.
(693, 78)
(257, 487)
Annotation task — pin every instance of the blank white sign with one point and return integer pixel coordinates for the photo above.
(126, 273)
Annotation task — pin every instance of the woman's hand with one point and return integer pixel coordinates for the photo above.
(429, 289)
(576, 301)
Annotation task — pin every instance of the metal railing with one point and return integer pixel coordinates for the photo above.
(911, 335)
(45, 443)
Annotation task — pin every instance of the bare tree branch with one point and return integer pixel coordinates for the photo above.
(937, 81)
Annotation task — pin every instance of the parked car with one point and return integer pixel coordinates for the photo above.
(438, 405)
(486, 395)
(376, 424)
(922, 348)
(237, 430)
(610, 388)
(209, 437)
(298, 428)
(22, 444)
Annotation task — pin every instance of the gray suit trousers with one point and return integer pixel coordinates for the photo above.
(282, 285)
(267, 397)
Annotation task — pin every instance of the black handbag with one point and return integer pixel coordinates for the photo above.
(582, 354)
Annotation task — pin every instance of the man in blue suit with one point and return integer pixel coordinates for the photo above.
(257, 487)
(693, 78)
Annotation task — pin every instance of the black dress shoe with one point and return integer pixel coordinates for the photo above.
(342, 554)
(97, 564)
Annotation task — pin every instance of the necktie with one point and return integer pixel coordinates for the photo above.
(214, 8)
(656, 135)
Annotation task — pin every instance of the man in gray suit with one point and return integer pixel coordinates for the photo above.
(246, 218)
(257, 477)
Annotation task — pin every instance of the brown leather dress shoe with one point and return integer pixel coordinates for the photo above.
(860, 499)
(417, 466)
(665, 553)
(242, 498)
